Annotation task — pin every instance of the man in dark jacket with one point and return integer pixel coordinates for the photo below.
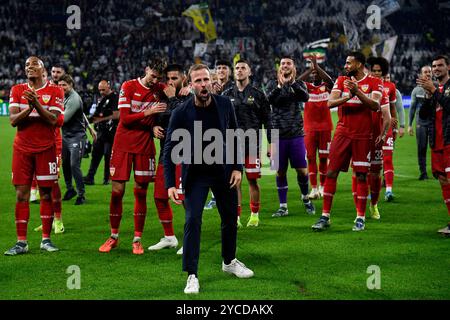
(208, 113)
(436, 108)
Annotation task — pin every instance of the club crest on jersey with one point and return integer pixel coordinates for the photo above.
(250, 100)
(365, 87)
(112, 171)
(46, 98)
(122, 93)
(386, 90)
(322, 88)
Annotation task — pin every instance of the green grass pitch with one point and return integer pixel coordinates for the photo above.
(290, 261)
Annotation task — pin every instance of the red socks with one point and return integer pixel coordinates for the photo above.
(56, 200)
(254, 207)
(312, 172)
(328, 194)
(165, 215)
(446, 195)
(22, 217)
(362, 190)
(354, 193)
(388, 166)
(239, 210)
(46, 217)
(375, 188)
(140, 210)
(115, 211)
(323, 167)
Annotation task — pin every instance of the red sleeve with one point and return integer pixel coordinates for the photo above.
(339, 84)
(14, 97)
(377, 86)
(57, 101)
(128, 118)
(125, 95)
(60, 120)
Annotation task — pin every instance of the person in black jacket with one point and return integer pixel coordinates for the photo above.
(205, 112)
(285, 96)
(252, 111)
(436, 108)
(106, 119)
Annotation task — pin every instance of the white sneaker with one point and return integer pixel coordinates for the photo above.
(238, 269)
(180, 251)
(192, 285)
(321, 191)
(314, 194)
(166, 242)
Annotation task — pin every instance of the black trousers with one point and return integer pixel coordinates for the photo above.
(72, 154)
(196, 192)
(422, 138)
(102, 147)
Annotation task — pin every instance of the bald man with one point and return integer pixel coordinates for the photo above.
(105, 118)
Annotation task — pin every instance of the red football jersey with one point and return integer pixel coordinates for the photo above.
(439, 141)
(136, 137)
(34, 134)
(355, 120)
(390, 90)
(317, 115)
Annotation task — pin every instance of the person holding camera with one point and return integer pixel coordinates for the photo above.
(105, 119)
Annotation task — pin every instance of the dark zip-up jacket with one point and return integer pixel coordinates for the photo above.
(286, 115)
(428, 111)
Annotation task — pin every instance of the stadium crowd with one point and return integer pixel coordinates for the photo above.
(115, 34)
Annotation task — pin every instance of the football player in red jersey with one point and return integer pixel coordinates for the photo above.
(34, 109)
(356, 95)
(381, 128)
(139, 102)
(318, 124)
(58, 225)
(388, 147)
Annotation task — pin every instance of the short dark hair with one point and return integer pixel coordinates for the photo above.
(358, 56)
(223, 62)
(243, 61)
(67, 78)
(382, 62)
(197, 67)
(174, 67)
(157, 64)
(442, 56)
(59, 65)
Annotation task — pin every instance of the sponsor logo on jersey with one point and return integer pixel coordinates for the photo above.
(46, 98)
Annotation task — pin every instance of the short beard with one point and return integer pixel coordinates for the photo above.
(352, 73)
